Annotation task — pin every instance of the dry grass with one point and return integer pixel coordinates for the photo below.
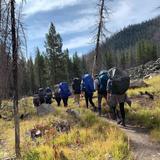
(89, 139)
(147, 114)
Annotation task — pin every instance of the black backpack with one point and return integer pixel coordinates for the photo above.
(76, 85)
(41, 95)
(36, 101)
(120, 81)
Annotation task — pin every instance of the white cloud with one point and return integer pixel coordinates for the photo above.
(86, 23)
(122, 11)
(90, 11)
(126, 12)
(34, 6)
(78, 42)
(75, 26)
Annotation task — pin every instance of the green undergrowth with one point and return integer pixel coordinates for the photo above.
(153, 87)
(89, 139)
(147, 114)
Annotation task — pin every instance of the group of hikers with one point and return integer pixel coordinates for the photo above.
(110, 85)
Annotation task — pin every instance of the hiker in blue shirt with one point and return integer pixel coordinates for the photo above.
(64, 92)
(101, 87)
(88, 89)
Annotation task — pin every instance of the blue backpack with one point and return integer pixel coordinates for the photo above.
(88, 84)
(48, 92)
(64, 90)
(103, 79)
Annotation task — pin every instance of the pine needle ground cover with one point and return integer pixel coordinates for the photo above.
(88, 138)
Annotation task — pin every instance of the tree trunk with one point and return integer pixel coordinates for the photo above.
(100, 25)
(15, 79)
(0, 15)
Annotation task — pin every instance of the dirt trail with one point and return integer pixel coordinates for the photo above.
(141, 146)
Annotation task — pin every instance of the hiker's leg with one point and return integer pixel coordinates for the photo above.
(78, 99)
(113, 112)
(122, 110)
(65, 101)
(86, 99)
(91, 101)
(99, 103)
(59, 101)
(75, 98)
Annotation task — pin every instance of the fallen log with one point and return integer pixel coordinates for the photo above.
(138, 84)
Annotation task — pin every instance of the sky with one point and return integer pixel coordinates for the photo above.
(75, 20)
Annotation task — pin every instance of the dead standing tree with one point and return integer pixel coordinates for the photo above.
(101, 29)
(15, 77)
(11, 32)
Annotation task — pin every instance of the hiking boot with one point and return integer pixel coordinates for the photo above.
(94, 109)
(123, 123)
(99, 113)
(119, 121)
(129, 102)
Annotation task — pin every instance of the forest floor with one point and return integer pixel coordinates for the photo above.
(140, 141)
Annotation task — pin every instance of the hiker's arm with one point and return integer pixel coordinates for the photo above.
(109, 89)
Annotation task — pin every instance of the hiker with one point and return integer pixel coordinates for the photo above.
(117, 86)
(41, 95)
(36, 101)
(101, 87)
(64, 92)
(57, 95)
(76, 87)
(88, 89)
(48, 95)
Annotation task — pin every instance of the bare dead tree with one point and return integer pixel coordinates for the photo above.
(15, 78)
(101, 29)
(11, 39)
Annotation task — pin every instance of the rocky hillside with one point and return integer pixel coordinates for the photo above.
(146, 70)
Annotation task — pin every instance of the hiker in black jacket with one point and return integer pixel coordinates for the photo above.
(76, 87)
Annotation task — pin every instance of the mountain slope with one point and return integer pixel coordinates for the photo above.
(132, 46)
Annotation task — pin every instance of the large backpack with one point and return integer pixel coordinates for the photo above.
(88, 84)
(36, 101)
(64, 90)
(56, 91)
(76, 85)
(120, 81)
(41, 95)
(49, 92)
(103, 79)
(48, 95)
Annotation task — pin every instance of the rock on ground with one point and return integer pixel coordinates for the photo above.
(44, 109)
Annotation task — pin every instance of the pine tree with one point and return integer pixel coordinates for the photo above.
(76, 65)
(83, 65)
(24, 82)
(123, 61)
(67, 70)
(31, 73)
(55, 56)
(40, 70)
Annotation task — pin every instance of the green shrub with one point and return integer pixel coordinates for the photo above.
(32, 155)
(88, 119)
